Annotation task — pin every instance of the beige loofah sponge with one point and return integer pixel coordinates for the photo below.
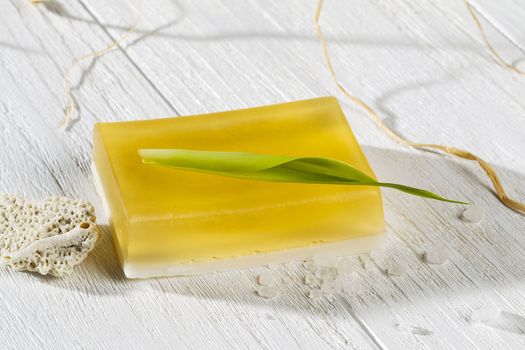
(49, 237)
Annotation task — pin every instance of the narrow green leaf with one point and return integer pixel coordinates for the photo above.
(265, 167)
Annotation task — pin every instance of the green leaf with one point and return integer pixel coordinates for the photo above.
(275, 168)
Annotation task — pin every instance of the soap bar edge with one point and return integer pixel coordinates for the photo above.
(353, 246)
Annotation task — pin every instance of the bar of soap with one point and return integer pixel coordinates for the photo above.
(176, 222)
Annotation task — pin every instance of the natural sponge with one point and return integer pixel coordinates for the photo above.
(49, 237)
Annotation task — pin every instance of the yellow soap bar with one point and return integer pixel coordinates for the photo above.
(176, 222)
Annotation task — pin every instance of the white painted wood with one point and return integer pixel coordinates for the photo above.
(421, 64)
(506, 19)
(96, 307)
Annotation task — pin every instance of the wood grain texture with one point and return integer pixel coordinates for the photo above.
(421, 64)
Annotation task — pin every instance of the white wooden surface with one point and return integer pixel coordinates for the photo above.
(420, 63)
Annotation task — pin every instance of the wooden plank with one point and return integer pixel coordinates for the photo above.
(506, 18)
(423, 67)
(96, 307)
(482, 259)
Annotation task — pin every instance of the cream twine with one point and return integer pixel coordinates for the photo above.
(489, 46)
(487, 168)
(70, 110)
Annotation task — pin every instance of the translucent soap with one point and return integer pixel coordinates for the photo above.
(175, 222)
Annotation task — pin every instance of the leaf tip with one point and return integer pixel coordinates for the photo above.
(457, 202)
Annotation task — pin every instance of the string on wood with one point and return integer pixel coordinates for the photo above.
(489, 46)
(487, 168)
(70, 110)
